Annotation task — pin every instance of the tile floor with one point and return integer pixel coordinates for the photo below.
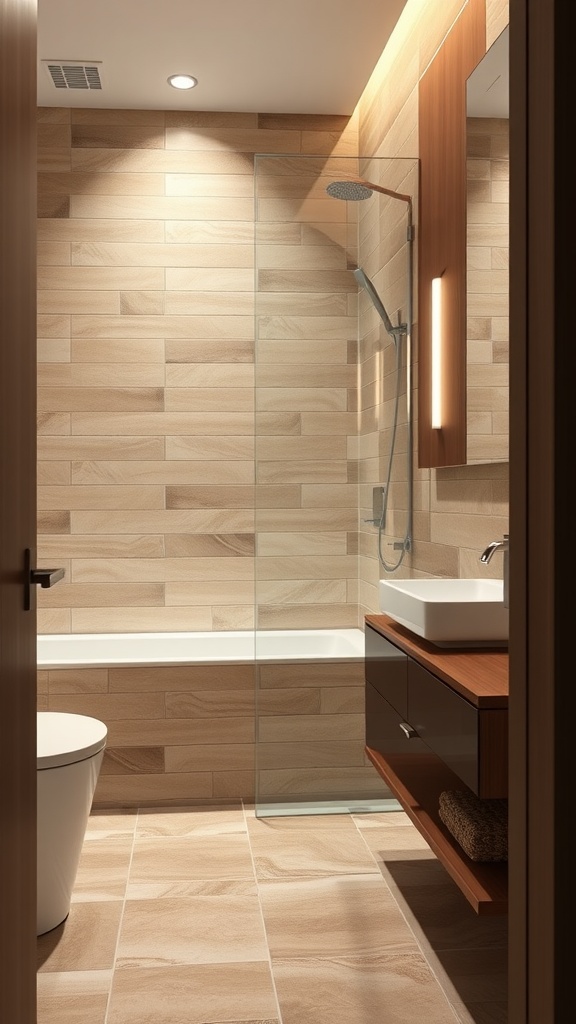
(208, 915)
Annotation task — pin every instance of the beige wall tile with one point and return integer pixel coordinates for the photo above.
(210, 593)
(126, 253)
(328, 543)
(309, 616)
(100, 447)
(170, 521)
(164, 473)
(98, 595)
(78, 680)
(218, 757)
(151, 570)
(81, 497)
(182, 677)
(111, 706)
(55, 399)
(128, 620)
(298, 399)
(310, 755)
(208, 399)
(172, 732)
(160, 423)
(149, 789)
(233, 784)
(210, 704)
(328, 782)
(84, 279)
(99, 375)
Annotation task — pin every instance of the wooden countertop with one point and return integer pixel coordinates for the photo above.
(478, 674)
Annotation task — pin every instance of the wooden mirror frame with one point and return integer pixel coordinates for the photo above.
(442, 242)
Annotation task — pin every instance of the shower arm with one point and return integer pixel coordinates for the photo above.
(385, 191)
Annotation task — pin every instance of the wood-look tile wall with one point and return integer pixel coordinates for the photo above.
(487, 255)
(306, 401)
(457, 511)
(146, 374)
(187, 733)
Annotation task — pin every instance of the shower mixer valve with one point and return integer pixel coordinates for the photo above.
(378, 506)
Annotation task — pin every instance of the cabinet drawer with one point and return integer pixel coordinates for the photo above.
(386, 668)
(383, 732)
(472, 743)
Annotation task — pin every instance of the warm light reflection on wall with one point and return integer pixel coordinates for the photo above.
(436, 360)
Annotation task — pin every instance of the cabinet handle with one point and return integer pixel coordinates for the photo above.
(408, 730)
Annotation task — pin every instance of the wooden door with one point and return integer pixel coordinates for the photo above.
(17, 510)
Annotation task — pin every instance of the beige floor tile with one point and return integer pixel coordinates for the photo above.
(72, 997)
(310, 854)
(381, 819)
(443, 918)
(483, 1013)
(352, 915)
(477, 975)
(163, 889)
(402, 837)
(194, 995)
(184, 821)
(203, 929)
(85, 941)
(103, 869)
(103, 823)
(398, 989)
(300, 823)
(189, 860)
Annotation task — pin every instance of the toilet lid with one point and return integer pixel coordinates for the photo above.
(63, 738)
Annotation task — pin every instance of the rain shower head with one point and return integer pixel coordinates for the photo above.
(353, 190)
(357, 188)
(366, 283)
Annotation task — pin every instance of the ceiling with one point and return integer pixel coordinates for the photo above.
(267, 56)
(488, 87)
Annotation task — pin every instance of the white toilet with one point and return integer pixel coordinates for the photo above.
(70, 749)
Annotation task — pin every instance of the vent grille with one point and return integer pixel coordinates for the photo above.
(74, 74)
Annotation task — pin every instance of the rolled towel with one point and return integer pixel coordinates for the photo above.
(479, 826)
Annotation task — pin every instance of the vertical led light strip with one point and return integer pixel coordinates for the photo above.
(436, 416)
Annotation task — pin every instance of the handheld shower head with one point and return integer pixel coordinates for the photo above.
(366, 283)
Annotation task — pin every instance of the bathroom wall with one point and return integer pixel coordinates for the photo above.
(146, 377)
(457, 511)
(151, 439)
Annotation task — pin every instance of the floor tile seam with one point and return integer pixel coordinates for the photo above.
(391, 952)
(497, 947)
(263, 922)
(355, 958)
(119, 931)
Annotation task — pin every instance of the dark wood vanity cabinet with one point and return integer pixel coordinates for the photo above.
(436, 720)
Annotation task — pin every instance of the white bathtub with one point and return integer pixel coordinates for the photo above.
(117, 649)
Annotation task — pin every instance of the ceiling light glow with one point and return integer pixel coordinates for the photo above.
(182, 81)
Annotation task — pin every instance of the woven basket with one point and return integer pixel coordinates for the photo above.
(479, 826)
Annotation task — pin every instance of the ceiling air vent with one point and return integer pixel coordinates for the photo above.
(74, 74)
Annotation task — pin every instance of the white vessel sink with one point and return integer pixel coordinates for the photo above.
(449, 612)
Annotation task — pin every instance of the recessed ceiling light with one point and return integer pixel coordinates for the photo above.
(182, 81)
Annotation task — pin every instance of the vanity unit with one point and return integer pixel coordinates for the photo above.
(437, 720)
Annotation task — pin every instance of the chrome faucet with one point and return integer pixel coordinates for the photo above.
(487, 555)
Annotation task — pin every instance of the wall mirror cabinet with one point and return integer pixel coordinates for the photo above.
(487, 251)
(463, 247)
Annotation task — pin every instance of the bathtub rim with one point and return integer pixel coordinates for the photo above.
(48, 664)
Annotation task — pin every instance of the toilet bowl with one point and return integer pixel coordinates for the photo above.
(70, 749)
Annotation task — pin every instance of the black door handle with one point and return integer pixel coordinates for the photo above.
(37, 577)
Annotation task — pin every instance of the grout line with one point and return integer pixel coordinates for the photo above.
(121, 917)
(272, 978)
